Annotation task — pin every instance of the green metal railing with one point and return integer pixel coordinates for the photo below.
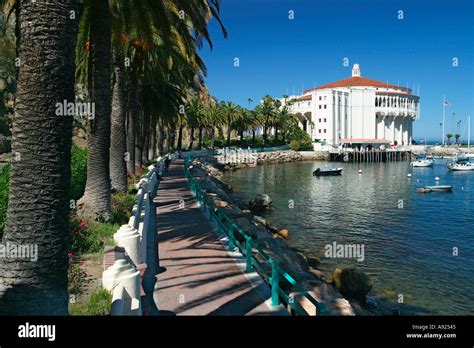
(256, 258)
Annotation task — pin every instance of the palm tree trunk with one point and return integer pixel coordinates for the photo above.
(38, 207)
(213, 132)
(275, 138)
(253, 136)
(161, 138)
(200, 138)
(152, 151)
(145, 135)
(96, 201)
(191, 138)
(133, 112)
(180, 137)
(118, 146)
(139, 141)
(229, 130)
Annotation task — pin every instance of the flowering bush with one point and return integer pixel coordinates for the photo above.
(82, 238)
(76, 276)
(122, 205)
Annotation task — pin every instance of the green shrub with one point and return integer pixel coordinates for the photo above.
(4, 187)
(306, 146)
(78, 171)
(295, 145)
(122, 205)
(98, 304)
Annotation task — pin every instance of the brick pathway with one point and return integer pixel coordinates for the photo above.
(201, 277)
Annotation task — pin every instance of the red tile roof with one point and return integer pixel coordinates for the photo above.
(305, 97)
(358, 81)
(365, 141)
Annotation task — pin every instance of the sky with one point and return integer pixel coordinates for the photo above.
(278, 55)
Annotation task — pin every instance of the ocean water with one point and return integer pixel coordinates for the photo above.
(420, 246)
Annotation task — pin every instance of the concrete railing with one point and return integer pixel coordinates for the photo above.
(123, 278)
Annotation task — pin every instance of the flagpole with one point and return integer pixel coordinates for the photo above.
(444, 107)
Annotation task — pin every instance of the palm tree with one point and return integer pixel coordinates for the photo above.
(118, 148)
(266, 112)
(456, 137)
(96, 201)
(38, 209)
(230, 111)
(214, 117)
(193, 114)
(449, 136)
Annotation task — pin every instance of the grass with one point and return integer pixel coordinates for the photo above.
(98, 304)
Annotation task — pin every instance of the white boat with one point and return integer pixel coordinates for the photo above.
(461, 166)
(464, 164)
(423, 163)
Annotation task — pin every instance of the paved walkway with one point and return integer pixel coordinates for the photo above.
(201, 277)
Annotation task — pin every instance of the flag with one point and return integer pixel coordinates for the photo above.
(446, 103)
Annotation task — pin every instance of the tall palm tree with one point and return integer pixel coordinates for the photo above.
(118, 148)
(266, 112)
(96, 201)
(230, 112)
(38, 209)
(214, 117)
(193, 114)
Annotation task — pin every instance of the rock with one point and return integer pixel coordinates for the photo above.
(259, 219)
(330, 299)
(313, 261)
(220, 203)
(260, 203)
(284, 233)
(336, 278)
(352, 283)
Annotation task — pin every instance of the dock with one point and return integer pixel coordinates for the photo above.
(373, 156)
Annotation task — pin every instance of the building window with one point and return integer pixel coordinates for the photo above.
(319, 120)
(320, 106)
(324, 97)
(320, 97)
(324, 131)
(325, 106)
(309, 103)
(320, 131)
(325, 120)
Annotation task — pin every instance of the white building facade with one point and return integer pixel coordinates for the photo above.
(357, 110)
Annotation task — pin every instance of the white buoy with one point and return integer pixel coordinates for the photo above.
(437, 178)
(360, 171)
(409, 175)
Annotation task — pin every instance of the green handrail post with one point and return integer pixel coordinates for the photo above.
(248, 255)
(275, 284)
(231, 237)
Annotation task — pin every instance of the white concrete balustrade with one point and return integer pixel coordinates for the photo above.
(122, 279)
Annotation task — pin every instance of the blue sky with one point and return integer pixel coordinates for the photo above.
(278, 54)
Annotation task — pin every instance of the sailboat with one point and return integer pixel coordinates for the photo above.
(464, 164)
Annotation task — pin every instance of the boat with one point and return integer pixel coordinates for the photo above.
(422, 163)
(461, 166)
(326, 171)
(464, 163)
(437, 188)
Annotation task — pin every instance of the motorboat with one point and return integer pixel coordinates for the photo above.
(436, 188)
(327, 170)
(423, 163)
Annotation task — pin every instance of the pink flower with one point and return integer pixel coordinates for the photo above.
(69, 254)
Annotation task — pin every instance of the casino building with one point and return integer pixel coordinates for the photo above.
(357, 110)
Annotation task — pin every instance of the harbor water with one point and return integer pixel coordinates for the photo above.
(420, 246)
